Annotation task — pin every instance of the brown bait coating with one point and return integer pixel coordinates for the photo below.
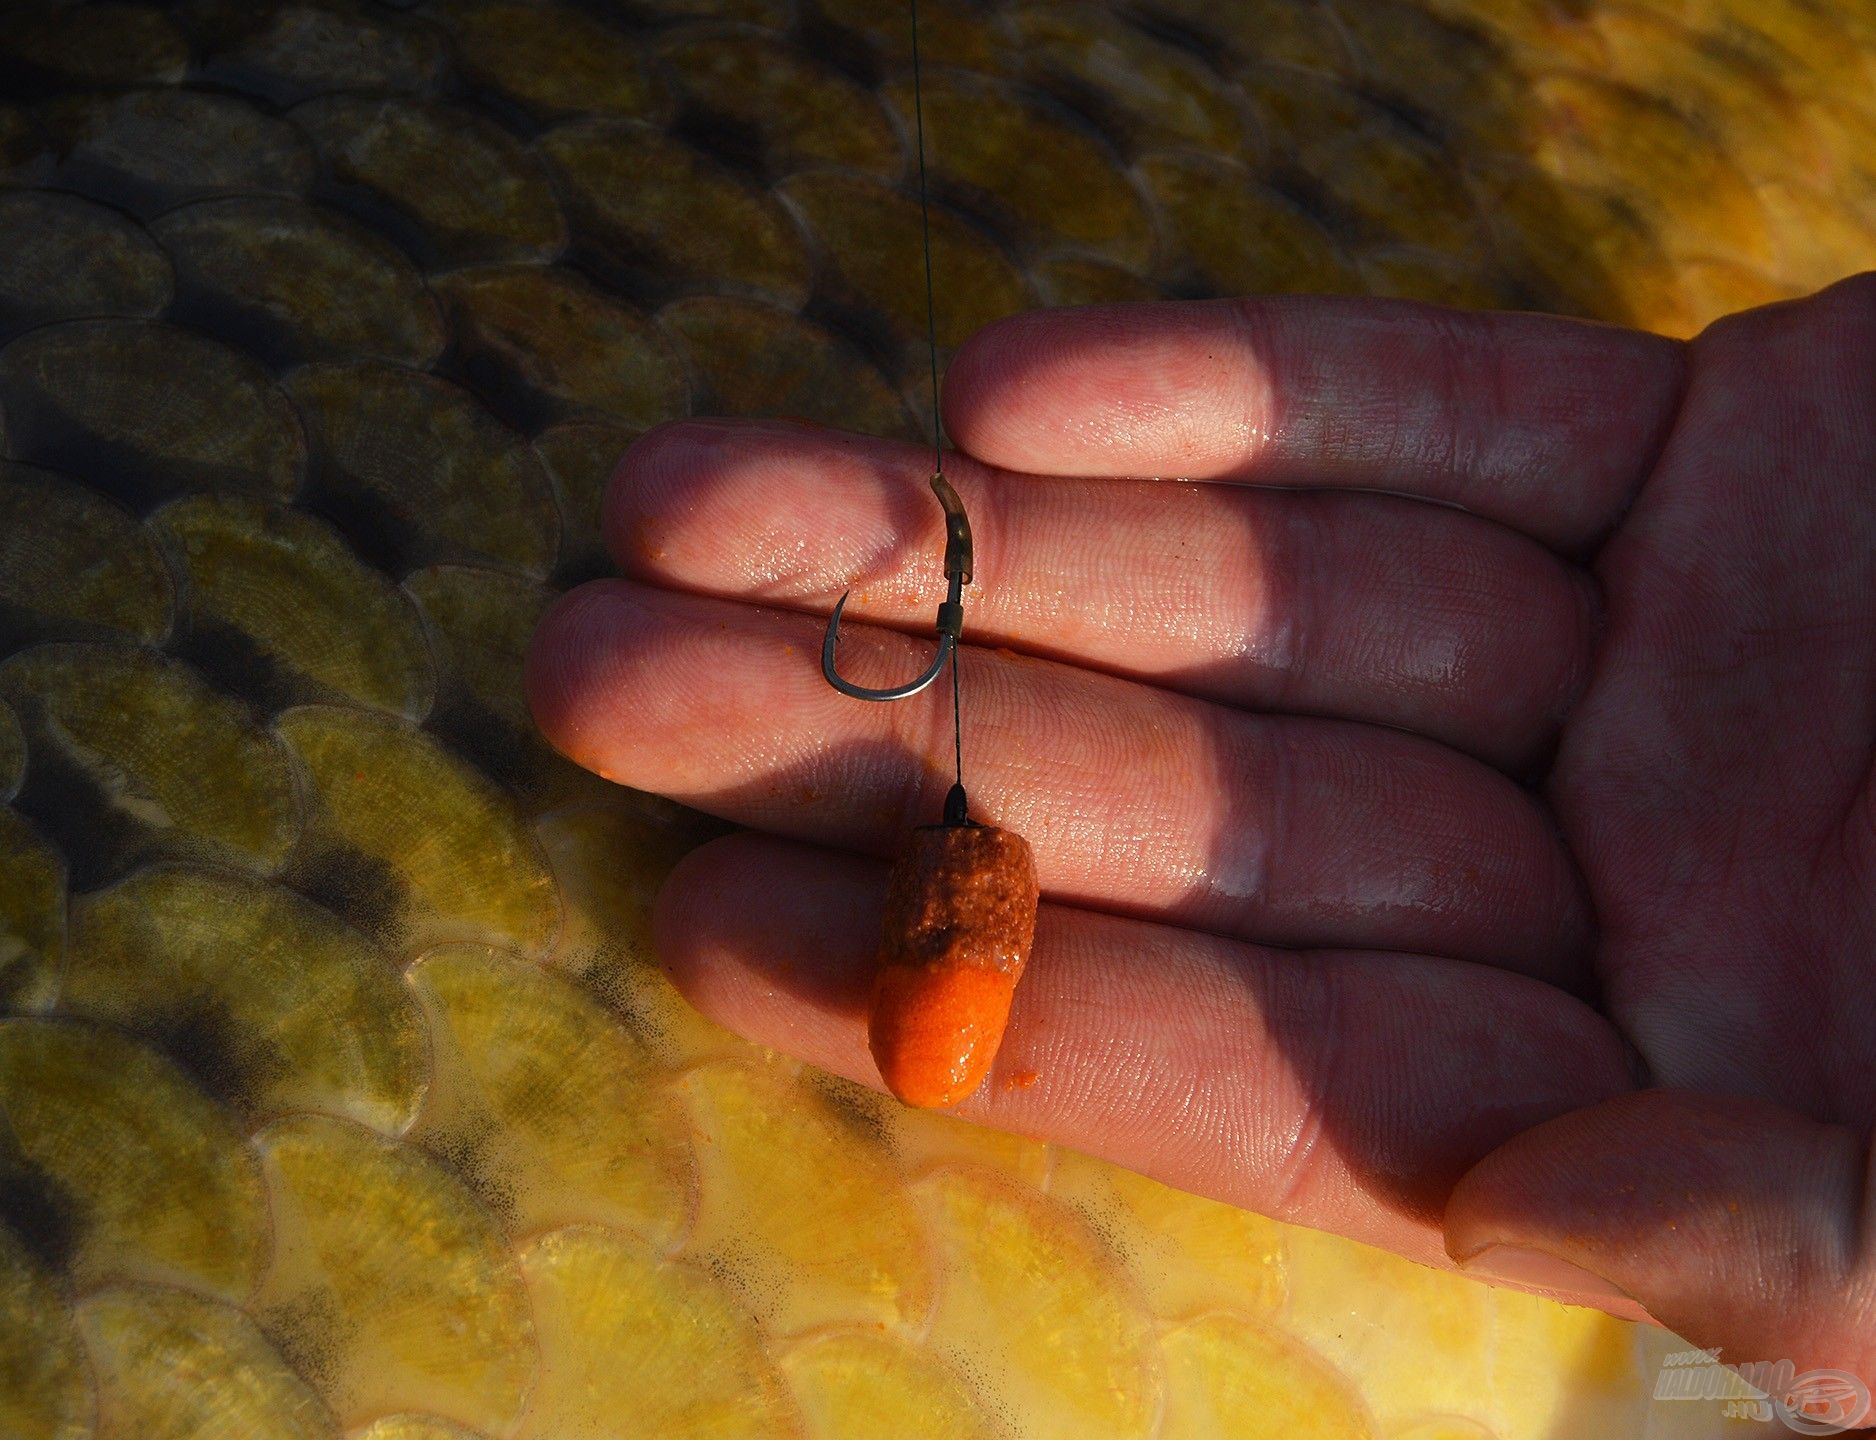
(960, 918)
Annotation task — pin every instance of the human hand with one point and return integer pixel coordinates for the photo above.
(1606, 1033)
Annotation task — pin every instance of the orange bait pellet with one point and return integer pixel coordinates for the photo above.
(960, 918)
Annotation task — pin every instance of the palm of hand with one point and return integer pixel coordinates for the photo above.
(1205, 777)
(1715, 786)
(1714, 781)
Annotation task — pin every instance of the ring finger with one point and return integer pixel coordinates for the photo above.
(1282, 829)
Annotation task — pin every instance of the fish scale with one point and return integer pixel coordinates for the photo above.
(290, 446)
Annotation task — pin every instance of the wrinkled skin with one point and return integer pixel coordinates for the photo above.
(1496, 884)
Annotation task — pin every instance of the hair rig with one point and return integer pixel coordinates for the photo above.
(961, 901)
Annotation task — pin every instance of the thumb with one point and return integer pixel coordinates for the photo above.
(1734, 1222)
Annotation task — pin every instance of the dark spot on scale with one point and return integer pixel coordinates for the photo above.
(236, 662)
(100, 841)
(465, 1154)
(858, 1109)
(861, 326)
(1176, 32)
(37, 1209)
(310, 1334)
(379, 533)
(847, 51)
(726, 139)
(204, 1039)
(361, 889)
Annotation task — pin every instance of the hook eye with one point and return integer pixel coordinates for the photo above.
(946, 642)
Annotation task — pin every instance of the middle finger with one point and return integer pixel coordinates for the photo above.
(1279, 829)
(1363, 606)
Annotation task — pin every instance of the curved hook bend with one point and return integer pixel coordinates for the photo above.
(958, 560)
(890, 692)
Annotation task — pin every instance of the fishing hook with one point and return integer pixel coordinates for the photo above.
(950, 613)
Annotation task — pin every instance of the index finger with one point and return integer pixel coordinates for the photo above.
(1544, 424)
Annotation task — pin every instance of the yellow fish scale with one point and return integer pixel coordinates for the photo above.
(340, 1094)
